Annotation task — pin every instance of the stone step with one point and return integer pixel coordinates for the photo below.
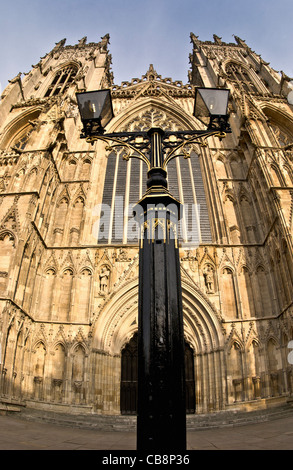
(9, 406)
(86, 421)
(231, 418)
(128, 423)
(4, 408)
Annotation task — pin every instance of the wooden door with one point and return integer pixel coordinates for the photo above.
(128, 395)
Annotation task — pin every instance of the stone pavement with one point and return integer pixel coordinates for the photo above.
(19, 434)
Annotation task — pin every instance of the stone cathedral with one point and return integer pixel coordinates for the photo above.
(69, 243)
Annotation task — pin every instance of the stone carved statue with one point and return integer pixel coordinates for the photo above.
(104, 280)
(209, 279)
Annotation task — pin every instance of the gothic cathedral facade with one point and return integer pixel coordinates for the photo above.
(69, 244)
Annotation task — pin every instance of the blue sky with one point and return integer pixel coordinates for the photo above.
(143, 31)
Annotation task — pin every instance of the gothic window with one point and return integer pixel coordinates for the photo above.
(20, 140)
(125, 183)
(281, 136)
(61, 81)
(240, 75)
(20, 130)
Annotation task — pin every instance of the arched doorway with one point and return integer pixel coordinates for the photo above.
(128, 390)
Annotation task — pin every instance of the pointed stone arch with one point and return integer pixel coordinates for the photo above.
(243, 73)
(221, 165)
(50, 263)
(60, 216)
(114, 326)
(19, 125)
(85, 165)
(69, 167)
(117, 321)
(202, 322)
(31, 177)
(278, 115)
(11, 220)
(167, 107)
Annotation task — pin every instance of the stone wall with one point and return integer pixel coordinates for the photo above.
(69, 245)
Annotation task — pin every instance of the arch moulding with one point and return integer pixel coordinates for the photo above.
(168, 106)
(117, 321)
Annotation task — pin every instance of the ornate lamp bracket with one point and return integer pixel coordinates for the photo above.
(133, 150)
(138, 144)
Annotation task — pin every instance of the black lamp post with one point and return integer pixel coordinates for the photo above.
(161, 418)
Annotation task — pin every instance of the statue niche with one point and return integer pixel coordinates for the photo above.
(104, 280)
(209, 278)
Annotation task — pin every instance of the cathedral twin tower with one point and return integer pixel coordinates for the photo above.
(69, 245)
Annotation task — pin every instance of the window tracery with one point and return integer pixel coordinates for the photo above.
(151, 118)
(240, 75)
(126, 182)
(20, 141)
(61, 81)
(282, 137)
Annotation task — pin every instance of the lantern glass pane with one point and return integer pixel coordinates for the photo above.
(210, 102)
(95, 105)
(216, 100)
